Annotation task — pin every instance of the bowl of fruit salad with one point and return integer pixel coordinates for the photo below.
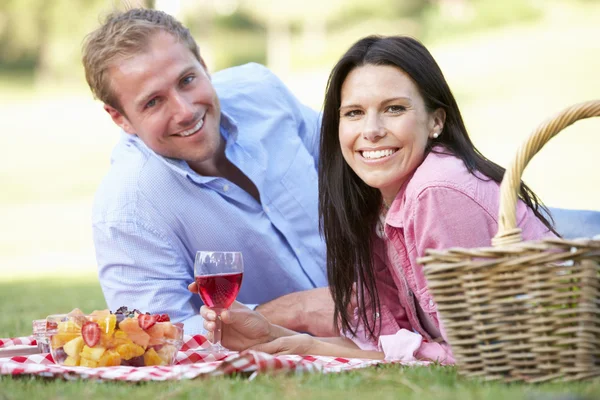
(105, 339)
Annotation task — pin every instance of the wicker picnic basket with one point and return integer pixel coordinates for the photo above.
(522, 311)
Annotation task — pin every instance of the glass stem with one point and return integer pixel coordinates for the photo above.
(218, 328)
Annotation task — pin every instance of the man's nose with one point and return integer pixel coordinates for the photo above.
(183, 109)
(373, 129)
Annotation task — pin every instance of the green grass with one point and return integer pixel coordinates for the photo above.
(384, 383)
(23, 300)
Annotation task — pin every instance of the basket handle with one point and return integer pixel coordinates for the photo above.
(508, 232)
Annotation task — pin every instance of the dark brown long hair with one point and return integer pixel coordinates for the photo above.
(348, 207)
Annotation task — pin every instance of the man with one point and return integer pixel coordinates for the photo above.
(222, 163)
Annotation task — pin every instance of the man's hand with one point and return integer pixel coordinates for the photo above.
(309, 311)
(242, 327)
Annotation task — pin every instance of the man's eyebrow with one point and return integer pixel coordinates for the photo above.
(187, 71)
(145, 98)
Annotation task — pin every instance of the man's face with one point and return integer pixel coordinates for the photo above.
(169, 102)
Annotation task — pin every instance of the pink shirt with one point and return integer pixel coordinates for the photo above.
(441, 206)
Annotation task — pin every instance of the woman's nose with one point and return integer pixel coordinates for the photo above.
(373, 129)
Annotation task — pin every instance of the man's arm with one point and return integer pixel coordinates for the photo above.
(309, 311)
(139, 268)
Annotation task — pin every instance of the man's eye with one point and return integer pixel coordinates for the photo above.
(151, 103)
(188, 79)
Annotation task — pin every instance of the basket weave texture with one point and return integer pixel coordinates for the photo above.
(522, 311)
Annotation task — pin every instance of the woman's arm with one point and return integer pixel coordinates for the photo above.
(305, 344)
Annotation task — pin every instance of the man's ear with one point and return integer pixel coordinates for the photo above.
(119, 119)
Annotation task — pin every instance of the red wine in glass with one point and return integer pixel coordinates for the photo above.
(219, 291)
(218, 275)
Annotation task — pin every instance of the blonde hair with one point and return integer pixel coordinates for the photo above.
(124, 35)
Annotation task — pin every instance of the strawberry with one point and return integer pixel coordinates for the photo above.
(51, 325)
(90, 331)
(147, 321)
(163, 318)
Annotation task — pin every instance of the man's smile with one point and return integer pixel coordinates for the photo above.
(193, 129)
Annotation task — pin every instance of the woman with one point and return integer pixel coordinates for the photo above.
(398, 175)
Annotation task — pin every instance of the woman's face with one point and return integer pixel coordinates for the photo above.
(384, 126)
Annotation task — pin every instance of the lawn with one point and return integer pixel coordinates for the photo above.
(21, 301)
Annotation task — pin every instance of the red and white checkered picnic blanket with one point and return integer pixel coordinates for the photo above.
(191, 362)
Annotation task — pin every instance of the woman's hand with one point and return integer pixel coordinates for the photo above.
(297, 344)
(242, 327)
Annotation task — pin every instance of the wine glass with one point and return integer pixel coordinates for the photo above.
(218, 275)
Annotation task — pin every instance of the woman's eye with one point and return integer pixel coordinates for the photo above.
(396, 109)
(352, 113)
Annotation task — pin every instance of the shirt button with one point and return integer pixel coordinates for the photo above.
(225, 188)
(267, 209)
(430, 302)
(298, 251)
(376, 315)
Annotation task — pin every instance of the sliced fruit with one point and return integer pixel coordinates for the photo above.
(59, 355)
(163, 318)
(51, 325)
(151, 358)
(147, 321)
(77, 316)
(134, 332)
(107, 324)
(128, 351)
(106, 341)
(84, 362)
(120, 337)
(167, 353)
(71, 362)
(134, 362)
(74, 347)
(172, 331)
(157, 333)
(59, 339)
(110, 358)
(92, 353)
(100, 313)
(68, 326)
(90, 331)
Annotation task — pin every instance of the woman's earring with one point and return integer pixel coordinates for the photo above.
(435, 135)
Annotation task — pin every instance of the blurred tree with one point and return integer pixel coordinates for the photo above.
(19, 33)
(277, 17)
(227, 34)
(448, 18)
(42, 38)
(316, 17)
(356, 11)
